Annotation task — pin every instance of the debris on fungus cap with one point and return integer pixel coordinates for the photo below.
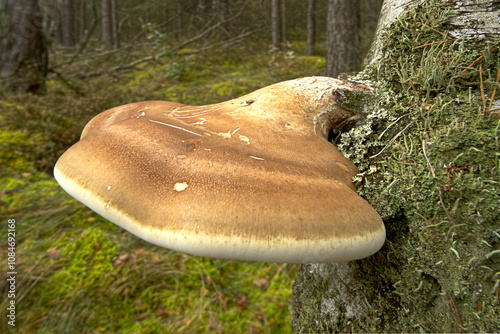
(253, 178)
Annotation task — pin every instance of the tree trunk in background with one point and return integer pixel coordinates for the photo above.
(107, 26)
(276, 24)
(179, 20)
(283, 26)
(23, 48)
(440, 267)
(343, 50)
(67, 8)
(311, 27)
(370, 12)
(114, 24)
(84, 26)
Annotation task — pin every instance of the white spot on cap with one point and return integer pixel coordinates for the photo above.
(109, 187)
(180, 186)
(201, 122)
(245, 139)
(225, 135)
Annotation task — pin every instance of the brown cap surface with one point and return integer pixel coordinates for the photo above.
(252, 178)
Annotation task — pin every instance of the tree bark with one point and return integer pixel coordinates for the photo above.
(311, 27)
(276, 24)
(473, 20)
(107, 26)
(68, 23)
(114, 24)
(435, 66)
(23, 48)
(343, 52)
(179, 20)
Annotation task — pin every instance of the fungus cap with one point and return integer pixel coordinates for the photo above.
(253, 178)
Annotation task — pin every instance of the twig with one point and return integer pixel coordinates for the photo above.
(473, 63)
(115, 68)
(439, 32)
(66, 82)
(427, 158)
(444, 208)
(206, 31)
(393, 139)
(221, 44)
(456, 316)
(383, 132)
(428, 44)
(482, 89)
(494, 91)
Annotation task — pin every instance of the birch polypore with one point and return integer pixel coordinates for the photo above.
(253, 178)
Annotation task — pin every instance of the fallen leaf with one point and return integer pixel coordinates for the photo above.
(262, 283)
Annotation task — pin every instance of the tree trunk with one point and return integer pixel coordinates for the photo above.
(68, 23)
(107, 26)
(428, 157)
(179, 20)
(311, 27)
(342, 31)
(23, 48)
(114, 24)
(276, 24)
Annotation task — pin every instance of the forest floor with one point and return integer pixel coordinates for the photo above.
(77, 272)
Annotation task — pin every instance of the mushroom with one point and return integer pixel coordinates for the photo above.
(253, 178)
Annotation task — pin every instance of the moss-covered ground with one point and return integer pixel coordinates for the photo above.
(78, 273)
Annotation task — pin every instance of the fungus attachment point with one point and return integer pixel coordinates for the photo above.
(271, 189)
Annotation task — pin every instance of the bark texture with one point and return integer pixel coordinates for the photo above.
(311, 27)
(428, 153)
(473, 19)
(276, 23)
(68, 23)
(23, 48)
(343, 51)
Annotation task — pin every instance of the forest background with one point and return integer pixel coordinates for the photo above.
(78, 272)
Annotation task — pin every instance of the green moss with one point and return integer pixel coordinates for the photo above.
(430, 162)
(436, 182)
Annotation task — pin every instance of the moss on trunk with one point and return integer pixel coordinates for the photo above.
(430, 161)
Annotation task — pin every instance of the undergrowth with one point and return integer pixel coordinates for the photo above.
(80, 273)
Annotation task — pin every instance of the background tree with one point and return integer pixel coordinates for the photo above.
(23, 48)
(110, 37)
(68, 22)
(311, 27)
(276, 24)
(343, 49)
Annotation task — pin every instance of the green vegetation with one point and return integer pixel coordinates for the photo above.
(80, 273)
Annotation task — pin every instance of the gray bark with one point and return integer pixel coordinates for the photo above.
(343, 51)
(68, 23)
(114, 24)
(107, 26)
(311, 27)
(474, 19)
(23, 48)
(276, 23)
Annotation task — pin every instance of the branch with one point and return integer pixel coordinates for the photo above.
(114, 69)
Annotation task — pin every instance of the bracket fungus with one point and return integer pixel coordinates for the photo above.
(253, 178)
